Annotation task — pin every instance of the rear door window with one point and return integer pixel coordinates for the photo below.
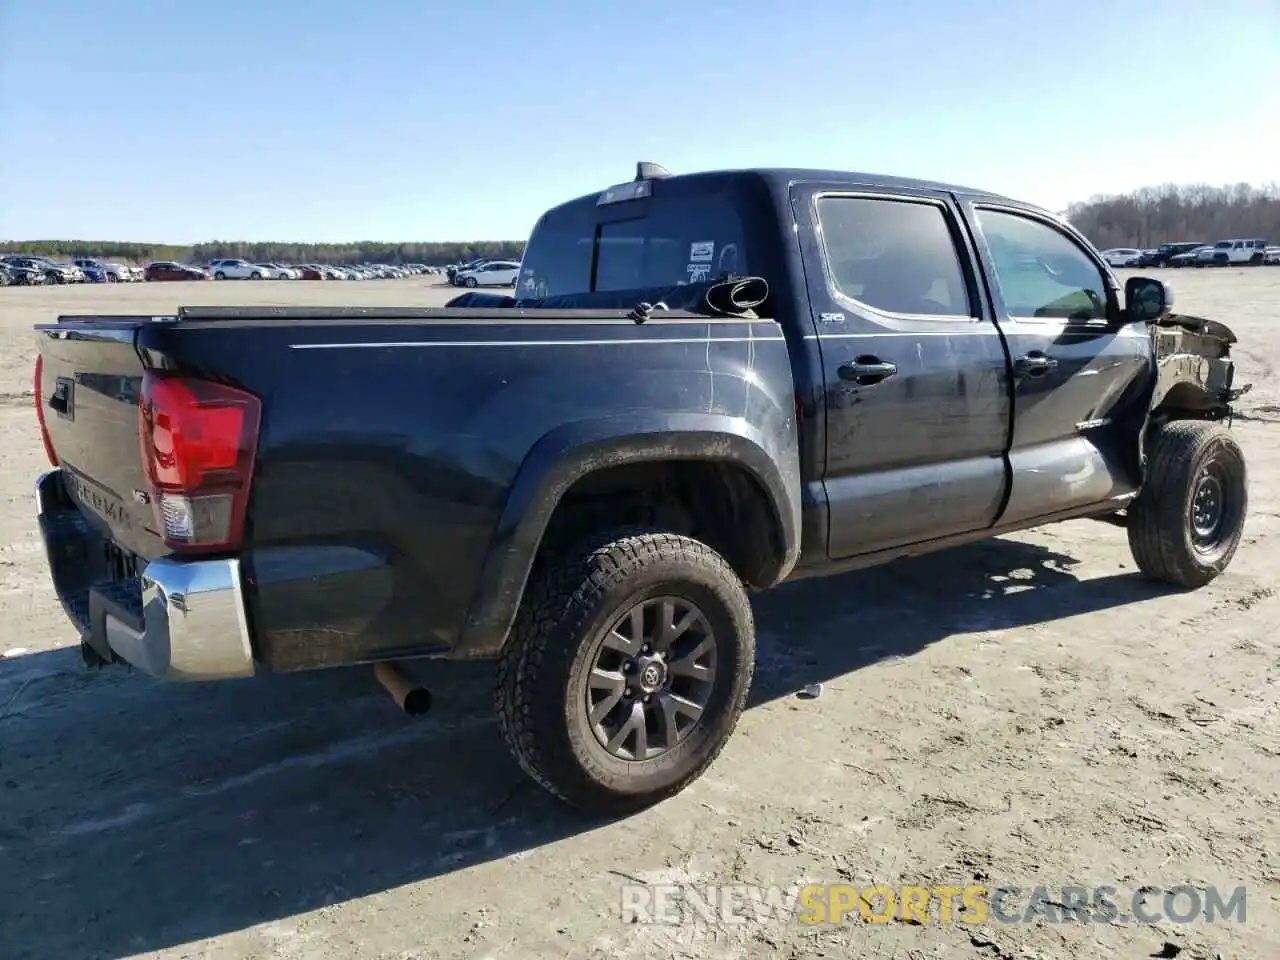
(894, 255)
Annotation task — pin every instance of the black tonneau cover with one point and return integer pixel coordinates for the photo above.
(737, 298)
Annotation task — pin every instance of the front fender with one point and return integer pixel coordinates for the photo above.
(563, 456)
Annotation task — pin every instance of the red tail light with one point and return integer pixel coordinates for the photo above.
(199, 441)
(44, 430)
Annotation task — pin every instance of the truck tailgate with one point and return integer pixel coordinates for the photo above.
(90, 377)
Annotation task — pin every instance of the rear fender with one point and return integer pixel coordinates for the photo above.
(567, 454)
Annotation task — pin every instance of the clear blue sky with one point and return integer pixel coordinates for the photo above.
(430, 120)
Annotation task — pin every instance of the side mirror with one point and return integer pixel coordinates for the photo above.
(1147, 299)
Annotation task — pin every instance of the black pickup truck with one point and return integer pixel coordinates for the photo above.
(702, 385)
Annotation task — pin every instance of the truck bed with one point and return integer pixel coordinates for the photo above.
(400, 454)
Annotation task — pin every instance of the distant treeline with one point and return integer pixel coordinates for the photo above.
(433, 254)
(1201, 213)
(1144, 218)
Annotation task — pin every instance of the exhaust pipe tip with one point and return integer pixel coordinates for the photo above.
(416, 702)
(413, 699)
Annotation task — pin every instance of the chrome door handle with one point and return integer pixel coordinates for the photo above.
(1034, 364)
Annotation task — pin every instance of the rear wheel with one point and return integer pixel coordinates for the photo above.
(1186, 524)
(627, 670)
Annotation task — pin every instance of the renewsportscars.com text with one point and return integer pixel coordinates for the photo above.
(972, 904)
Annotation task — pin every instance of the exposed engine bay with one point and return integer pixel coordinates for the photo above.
(1196, 372)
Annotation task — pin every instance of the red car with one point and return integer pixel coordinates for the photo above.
(309, 272)
(168, 270)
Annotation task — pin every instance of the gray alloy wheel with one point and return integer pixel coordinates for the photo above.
(653, 674)
(627, 669)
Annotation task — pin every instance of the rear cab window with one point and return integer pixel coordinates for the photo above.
(689, 229)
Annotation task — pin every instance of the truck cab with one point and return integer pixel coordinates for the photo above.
(963, 360)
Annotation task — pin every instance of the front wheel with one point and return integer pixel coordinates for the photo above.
(471, 282)
(219, 275)
(1187, 522)
(255, 275)
(627, 670)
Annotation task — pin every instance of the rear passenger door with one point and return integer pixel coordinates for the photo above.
(916, 376)
(1079, 380)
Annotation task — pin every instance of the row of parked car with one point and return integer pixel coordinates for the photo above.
(32, 271)
(235, 269)
(1250, 252)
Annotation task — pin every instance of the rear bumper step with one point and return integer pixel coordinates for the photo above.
(176, 620)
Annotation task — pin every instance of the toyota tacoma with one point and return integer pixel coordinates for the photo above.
(702, 385)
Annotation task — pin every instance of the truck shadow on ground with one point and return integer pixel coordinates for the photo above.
(138, 815)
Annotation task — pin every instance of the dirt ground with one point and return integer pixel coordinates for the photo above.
(1023, 712)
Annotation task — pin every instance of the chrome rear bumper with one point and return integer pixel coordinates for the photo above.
(176, 620)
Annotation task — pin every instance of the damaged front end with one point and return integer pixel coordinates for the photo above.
(1195, 372)
(1195, 380)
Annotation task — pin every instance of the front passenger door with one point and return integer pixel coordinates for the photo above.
(1081, 383)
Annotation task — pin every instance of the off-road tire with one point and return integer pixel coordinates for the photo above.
(1160, 519)
(572, 601)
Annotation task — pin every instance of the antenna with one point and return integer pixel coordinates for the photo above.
(646, 170)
